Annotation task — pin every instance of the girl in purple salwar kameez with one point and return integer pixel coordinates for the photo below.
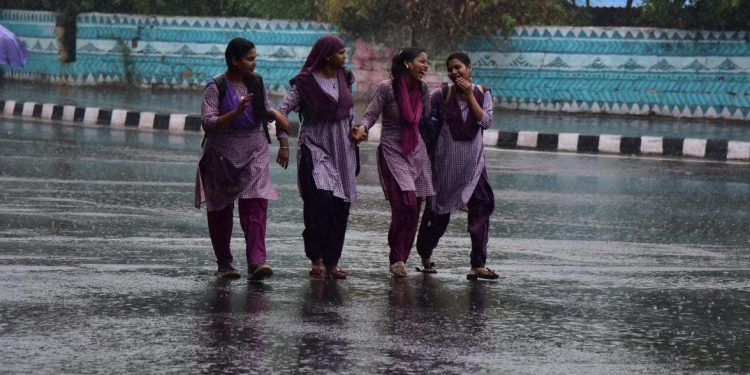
(326, 158)
(403, 164)
(458, 169)
(235, 160)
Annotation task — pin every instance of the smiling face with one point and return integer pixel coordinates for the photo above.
(456, 68)
(246, 65)
(337, 59)
(417, 68)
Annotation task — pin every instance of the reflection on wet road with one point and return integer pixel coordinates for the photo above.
(610, 265)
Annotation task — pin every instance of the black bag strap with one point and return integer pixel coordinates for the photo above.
(425, 98)
(221, 85)
(447, 91)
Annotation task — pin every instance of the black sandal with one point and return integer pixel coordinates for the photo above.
(427, 268)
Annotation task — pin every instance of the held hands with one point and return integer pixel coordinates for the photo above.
(283, 156)
(358, 133)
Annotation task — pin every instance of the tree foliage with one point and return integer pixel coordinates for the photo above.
(430, 23)
(441, 24)
(697, 14)
(286, 9)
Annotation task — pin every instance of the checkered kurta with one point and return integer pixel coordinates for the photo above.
(411, 172)
(458, 164)
(242, 147)
(333, 152)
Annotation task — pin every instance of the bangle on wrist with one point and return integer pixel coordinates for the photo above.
(283, 146)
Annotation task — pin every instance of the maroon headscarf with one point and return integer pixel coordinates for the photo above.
(315, 102)
(410, 108)
(461, 130)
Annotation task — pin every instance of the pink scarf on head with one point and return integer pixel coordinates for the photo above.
(410, 108)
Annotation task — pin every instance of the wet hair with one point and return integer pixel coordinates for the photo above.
(398, 67)
(461, 56)
(237, 48)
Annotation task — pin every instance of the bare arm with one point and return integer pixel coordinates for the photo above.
(282, 131)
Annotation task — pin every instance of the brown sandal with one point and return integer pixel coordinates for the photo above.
(258, 272)
(398, 269)
(482, 273)
(335, 273)
(317, 270)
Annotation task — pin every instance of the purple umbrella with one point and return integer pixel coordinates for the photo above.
(12, 50)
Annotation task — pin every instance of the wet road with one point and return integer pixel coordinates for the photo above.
(610, 265)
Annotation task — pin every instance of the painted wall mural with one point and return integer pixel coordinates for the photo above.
(619, 70)
(637, 71)
(158, 51)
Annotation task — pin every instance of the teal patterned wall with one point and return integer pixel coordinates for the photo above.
(168, 51)
(618, 70)
(638, 71)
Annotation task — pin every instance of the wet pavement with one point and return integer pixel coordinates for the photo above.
(610, 264)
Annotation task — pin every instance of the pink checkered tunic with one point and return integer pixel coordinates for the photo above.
(458, 164)
(247, 147)
(413, 171)
(333, 153)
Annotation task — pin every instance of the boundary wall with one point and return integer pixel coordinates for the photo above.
(633, 71)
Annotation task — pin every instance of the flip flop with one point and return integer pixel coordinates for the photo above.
(427, 269)
(398, 269)
(336, 273)
(317, 273)
(317, 270)
(486, 274)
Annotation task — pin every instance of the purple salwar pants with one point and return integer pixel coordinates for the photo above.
(253, 215)
(480, 205)
(405, 206)
(324, 214)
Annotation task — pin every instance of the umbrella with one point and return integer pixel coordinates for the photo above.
(12, 50)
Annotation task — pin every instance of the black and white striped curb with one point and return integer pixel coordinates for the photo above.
(714, 149)
(100, 116)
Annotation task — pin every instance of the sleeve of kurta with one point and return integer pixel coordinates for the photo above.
(486, 121)
(376, 106)
(289, 104)
(210, 107)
